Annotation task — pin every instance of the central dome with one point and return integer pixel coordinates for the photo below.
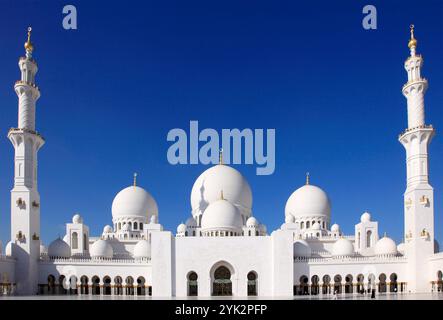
(308, 201)
(222, 215)
(207, 188)
(134, 201)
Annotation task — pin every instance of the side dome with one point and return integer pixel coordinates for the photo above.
(43, 249)
(385, 246)
(308, 201)
(221, 215)
(59, 249)
(365, 217)
(206, 188)
(181, 228)
(335, 228)
(343, 247)
(101, 249)
(401, 248)
(107, 229)
(77, 219)
(142, 249)
(289, 218)
(302, 249)
(132, 202)
(252, 222)
(9, 249)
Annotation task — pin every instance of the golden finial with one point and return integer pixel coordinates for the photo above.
(28, 45)
(135, 179)
(307, 178)
(220, 156)
(385, 235)
(221, 195)
(412, 41)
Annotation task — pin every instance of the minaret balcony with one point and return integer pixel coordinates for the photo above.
(20, 82)
(424, 127)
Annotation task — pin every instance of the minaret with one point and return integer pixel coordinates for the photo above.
(419, 194)
(25, 199)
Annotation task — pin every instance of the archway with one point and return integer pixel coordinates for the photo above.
(337, 284)
(107, 285)
(222, 285)
(315, 289)
(192, 284)
(304, 287)
(96, 285)
(348, 284)
(252, 283)
(129, 286)
(118, 289)
(51, 284)
(393, 284)
(382, 283)
(360, 283)
(439, 281)
(326, 289)
(62, 285)
(84, 289)
(141, 286)
(371, 282)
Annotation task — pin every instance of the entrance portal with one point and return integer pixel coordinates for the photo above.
(222, 285)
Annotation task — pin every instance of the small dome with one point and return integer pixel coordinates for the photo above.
(221, 214)
(126, 227)
(191, 223)
(101, 249)
(289, 218)
(302, 249)
(206, 188)
(142, 249)
(335, 228)
(43, 249)
(316, 226)
(343, 247)
(308, 201)
(385, 246)
(77, 219)
(181, 228)
(133, 202)
(252, 222)
(8, 248)
(401, 248)
(365, 217)
(107, 229)
(59, 249)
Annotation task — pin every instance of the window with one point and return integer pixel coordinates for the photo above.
(74, 240)
(192, 284)
(368, 239)
(252, 283)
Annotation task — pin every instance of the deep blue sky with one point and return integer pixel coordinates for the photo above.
(112, 90)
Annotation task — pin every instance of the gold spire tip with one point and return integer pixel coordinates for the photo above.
(135, 179)
(221, 195)
(412, 41)
(28, 44)
(307, 178)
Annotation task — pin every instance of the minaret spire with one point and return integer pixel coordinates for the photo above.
(25, 198)
(419, 194)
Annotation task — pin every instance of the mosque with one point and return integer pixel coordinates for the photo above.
(221, 250)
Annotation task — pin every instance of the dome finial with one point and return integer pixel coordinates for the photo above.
(221, 195)
(307, 178)
(412, 42)
(135, 179)
(28, 45)
(385, 235)
(220, 156)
